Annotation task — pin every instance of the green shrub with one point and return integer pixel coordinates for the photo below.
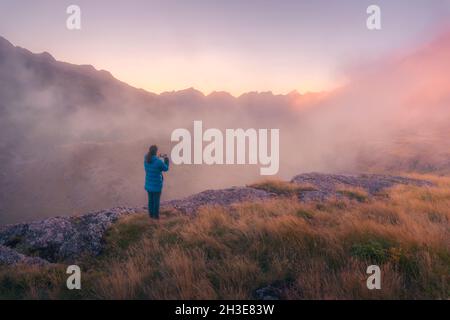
(374, 251)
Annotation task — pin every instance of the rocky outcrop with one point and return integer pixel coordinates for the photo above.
(224, 197)
(59, 238)
(328, 185)
(323, 186)
(10, 256)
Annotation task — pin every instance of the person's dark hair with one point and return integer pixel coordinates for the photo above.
(152, 151)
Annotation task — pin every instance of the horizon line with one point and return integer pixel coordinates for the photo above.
(192, 88)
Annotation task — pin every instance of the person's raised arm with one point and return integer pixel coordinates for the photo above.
(165, 164)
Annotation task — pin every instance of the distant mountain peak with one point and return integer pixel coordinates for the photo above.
(5, 44)
(47, 56)
(220, 94)
(294, 93)
(185, 92)
(192, 90)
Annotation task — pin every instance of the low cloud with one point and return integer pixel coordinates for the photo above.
(73, 138)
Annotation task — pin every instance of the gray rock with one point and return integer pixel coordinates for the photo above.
(10, 256)
(62, 238)
(268, 293)
(224, 197)
(327, 185)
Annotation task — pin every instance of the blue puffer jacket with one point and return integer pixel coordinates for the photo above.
(153, 173)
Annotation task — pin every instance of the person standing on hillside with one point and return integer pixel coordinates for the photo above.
(154, 167)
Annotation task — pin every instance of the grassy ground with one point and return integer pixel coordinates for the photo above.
(315, 251)
(281, 188)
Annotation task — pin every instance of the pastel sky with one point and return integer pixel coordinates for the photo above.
(227, 45)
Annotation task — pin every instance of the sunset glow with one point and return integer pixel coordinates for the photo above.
(228, 46)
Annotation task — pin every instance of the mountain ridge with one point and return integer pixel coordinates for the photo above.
(5, 43)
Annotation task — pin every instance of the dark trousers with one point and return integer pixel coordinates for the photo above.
(153, 204)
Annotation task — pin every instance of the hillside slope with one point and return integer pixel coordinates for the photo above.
(310, 238)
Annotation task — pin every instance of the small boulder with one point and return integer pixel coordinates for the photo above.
(62, 238)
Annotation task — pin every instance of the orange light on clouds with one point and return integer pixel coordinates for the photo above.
(211, 73)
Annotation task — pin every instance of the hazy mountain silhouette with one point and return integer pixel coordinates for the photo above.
(72, 138)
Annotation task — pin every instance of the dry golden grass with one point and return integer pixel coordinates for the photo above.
(307, 251)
